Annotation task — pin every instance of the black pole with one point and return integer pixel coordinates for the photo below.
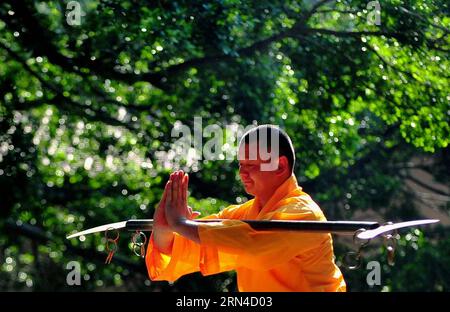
(286, 225)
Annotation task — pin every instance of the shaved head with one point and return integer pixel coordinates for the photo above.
(270, 141)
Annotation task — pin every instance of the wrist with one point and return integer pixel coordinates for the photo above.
(178, 224)
(163, 229)
(163, 241)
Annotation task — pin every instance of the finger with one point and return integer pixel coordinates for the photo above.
(195, 214)
(186, 193)
(172, 175)
(180, 200)
(181, 190)
(175, 189)
(185, 188)
(160, 208)
(169, 194)
(180, 176)
(164, 195)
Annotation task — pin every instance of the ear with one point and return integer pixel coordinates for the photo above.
(283, 165)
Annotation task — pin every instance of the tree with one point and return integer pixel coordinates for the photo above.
(87, 111)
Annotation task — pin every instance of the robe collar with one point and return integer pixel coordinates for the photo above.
(288, 188)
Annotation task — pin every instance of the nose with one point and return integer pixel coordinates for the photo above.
(243, 171)
(244, 175)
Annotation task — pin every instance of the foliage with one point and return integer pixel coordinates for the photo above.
(86, 114)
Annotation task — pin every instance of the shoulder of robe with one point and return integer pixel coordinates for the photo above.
(300, 207)
(231, 212)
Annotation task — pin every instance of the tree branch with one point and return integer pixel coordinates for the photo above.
(343, 33)
(38, 38)
(314, 9)
(422, 18)
(325, 11)
(65, 102)
(43, 46)
(424, 185)
(389, 65)
(246, 51)
(103, 97)
(377, 150)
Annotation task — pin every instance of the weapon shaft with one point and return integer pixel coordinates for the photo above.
(288, 225)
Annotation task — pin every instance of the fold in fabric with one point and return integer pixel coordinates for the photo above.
(263, 260)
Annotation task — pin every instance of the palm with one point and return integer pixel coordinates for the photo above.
(159, 217)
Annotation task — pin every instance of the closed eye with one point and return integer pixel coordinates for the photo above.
(247, 167)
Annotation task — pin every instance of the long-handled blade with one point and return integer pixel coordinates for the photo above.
(339, 227)
(369, 234)
(372, 229)
(277, 225)
(101, 228)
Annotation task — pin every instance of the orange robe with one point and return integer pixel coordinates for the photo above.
(263, 260)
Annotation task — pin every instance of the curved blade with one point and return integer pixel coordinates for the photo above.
(101, 228)
(390, 227)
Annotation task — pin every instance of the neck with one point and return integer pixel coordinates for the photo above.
(264, 198)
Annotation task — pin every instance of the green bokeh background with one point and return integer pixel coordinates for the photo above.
(86, 114)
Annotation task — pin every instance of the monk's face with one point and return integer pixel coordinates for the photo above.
(257, 182)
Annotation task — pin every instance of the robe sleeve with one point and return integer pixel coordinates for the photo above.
(230, 244)
(256, 250)
(186, 257)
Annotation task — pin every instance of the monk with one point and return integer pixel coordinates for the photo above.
(282, 261)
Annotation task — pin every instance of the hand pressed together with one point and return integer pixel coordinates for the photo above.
(173, 210)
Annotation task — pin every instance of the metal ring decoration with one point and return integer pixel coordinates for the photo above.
(139, 240)
(139, 251)
(111, 247)
(111, 244)
(109, 238)
(361, 242)
(390, 243)
(352, 260)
